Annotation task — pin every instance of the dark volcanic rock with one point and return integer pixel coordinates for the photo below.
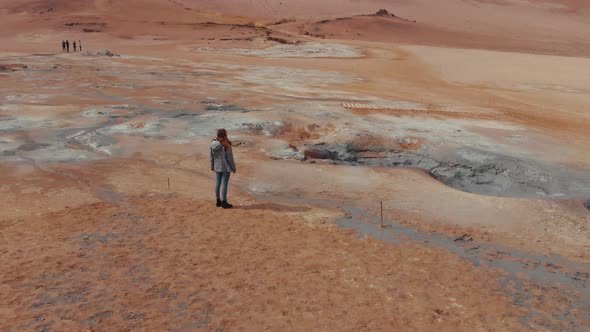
(463, 238)
(340, 152)
(384, 13)
(13, 67)
(89, 24)
(587, 204)
(317, 153)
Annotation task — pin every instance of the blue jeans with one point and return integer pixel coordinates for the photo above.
(222, 176)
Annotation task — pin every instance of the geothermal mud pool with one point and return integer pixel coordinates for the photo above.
(470, 170)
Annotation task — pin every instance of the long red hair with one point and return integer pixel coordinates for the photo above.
(222, 137)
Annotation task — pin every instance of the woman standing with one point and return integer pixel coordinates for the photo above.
(222, 163)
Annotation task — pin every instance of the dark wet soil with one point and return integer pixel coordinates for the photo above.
(32, 146)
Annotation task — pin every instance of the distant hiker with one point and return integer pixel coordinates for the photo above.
(222, 163)
(63, 45)
(74, 44)
(80, 45)
(68, 46)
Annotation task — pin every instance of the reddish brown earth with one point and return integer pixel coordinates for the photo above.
(106, 216)
(180, 263)
(403, 31)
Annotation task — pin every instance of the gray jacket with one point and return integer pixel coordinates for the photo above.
(221, 160)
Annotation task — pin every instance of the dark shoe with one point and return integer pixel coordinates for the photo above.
(218, 203)
(226, 205)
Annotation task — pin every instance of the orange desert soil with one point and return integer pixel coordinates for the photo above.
(179, 263)
(107, 220)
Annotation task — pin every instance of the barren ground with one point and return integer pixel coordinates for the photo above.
(475, 140)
